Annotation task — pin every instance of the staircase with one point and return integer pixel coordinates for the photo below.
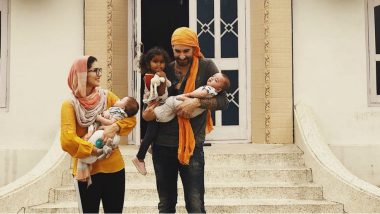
(239, 178)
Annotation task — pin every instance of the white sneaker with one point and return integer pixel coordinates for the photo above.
(140, 165)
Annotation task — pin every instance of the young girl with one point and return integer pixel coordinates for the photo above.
(152, 66)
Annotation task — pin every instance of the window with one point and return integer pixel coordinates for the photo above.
(3, 52)
(374, 50)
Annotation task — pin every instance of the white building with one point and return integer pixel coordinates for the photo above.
(279, 54)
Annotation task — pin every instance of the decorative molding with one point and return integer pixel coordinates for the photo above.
(267, 72)
(109, 44)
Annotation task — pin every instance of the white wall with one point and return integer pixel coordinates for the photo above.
(45, 37)
(330, 75)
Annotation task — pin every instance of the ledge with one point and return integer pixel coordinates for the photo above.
(33, 187)
(338, 183)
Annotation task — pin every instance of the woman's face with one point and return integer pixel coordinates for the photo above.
(93, 75)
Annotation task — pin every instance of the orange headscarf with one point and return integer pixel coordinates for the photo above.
(186, 36)
(77, 81)
(87, 107)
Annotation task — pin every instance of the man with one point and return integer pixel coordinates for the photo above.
(178, 146)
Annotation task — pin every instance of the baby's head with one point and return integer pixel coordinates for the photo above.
(129, 105)
(219, 81)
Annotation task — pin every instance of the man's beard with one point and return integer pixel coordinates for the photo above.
(184, 62)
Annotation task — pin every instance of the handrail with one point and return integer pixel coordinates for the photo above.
(339, 184)
(33, 187)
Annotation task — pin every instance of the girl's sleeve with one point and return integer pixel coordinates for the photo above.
(70, 141)
(127, 124)
(146, 92)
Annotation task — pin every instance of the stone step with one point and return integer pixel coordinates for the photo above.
(147, 192)
(259, 155)
(228, 205)
(227, 174)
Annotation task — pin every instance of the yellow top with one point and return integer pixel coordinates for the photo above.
(72, 142)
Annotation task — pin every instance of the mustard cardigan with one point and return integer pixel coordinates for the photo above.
(72, 142)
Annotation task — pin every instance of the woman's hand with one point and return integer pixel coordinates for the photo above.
(109, 131)
(95, 151)
(187, 107)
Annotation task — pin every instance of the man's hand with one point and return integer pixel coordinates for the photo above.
(148, 113)
(109, 132)
(187, 107)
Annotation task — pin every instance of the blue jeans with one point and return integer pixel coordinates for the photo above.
(166, 167)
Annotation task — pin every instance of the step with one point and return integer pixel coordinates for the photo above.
(240, 155)
(144, 192)
(227, 174)
(228, 205)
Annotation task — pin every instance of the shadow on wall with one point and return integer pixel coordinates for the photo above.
(362, 160)
(15, 163)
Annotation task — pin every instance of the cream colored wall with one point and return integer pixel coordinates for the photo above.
(271, 112)
(330, 75)
(120, 48)
(106, 37)
(271, 30)
(45, 37)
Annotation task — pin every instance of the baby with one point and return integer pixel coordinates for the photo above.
(126, 107)
(215, 84)
(167, 111)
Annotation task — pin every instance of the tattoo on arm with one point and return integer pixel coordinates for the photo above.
(208, 103)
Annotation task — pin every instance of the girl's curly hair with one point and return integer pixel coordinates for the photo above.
(145, 59)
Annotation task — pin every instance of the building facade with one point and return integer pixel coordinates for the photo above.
(277, 54)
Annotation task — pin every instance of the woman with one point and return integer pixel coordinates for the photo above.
(87, 101)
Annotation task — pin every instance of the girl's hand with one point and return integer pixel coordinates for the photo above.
(161, 74)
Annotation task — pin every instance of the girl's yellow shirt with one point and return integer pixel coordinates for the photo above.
(72, 142)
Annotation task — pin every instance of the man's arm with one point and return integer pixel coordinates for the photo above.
(219, 102)
(197, 93)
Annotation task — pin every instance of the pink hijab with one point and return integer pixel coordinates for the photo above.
(86, 107)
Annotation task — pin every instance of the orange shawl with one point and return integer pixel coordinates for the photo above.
(185, 36)
(86, 107)
(77, 81)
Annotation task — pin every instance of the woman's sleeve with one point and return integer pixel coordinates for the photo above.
(127, 124)
(70, 141)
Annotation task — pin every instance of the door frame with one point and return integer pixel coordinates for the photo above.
(134, 10)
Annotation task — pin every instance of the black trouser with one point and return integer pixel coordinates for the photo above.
(167, 166)
(107, 187)
(150, 134)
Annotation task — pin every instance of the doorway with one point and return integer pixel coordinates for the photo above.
(223, 36)
(159, 18)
